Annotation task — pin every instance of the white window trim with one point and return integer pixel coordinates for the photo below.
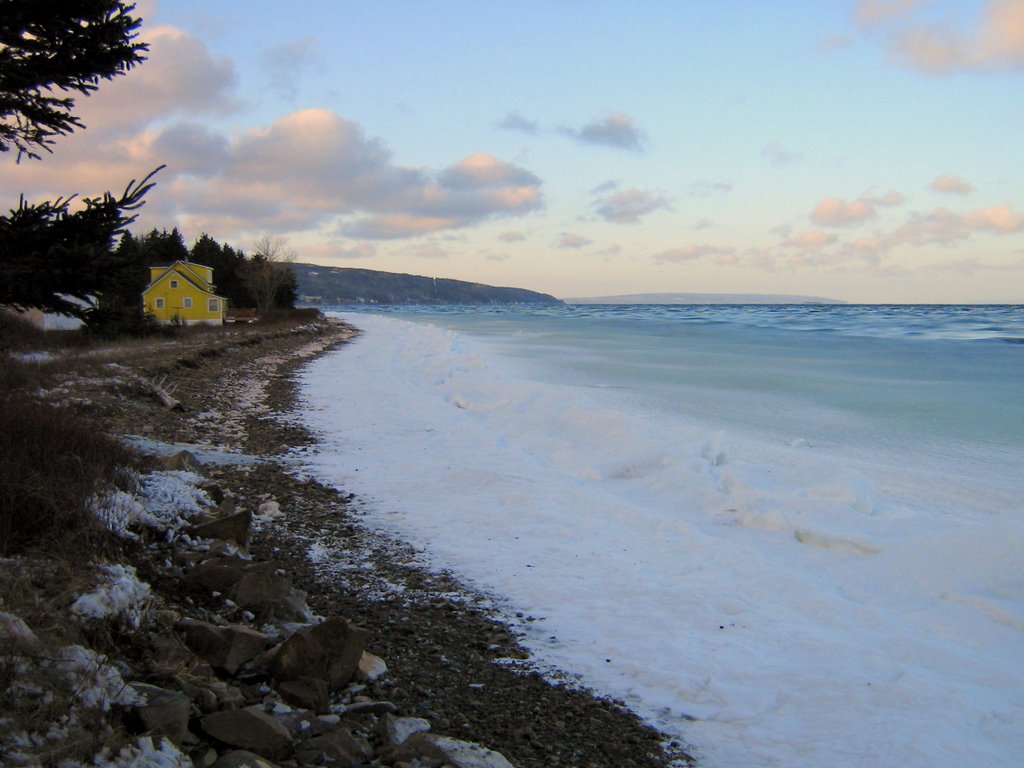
(214, 305)
(174, 283)
(159, 303)
(187, 303)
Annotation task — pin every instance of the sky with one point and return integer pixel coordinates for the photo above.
(865, 151)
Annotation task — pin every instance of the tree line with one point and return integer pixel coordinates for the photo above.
(263, 280)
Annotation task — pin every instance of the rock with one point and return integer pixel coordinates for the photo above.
(250, 728)
(307, 692)
(236, 528)
(269, 510)
(217, 574)
(226, 648)
(458, 754)
(183, 461)
(270, 597)
(165, 712)
(339, 748)
(370, 667)
(329, 651)
(396, 730)
(240, 758)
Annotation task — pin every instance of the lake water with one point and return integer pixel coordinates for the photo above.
(802, 527)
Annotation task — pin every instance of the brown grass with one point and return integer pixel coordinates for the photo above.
(51, 463)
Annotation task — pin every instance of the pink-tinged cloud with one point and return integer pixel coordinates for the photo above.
(951, 184)
(179, 77)
(512, 237)
(836, 212)
(616, 130)
(694, 252)
(568, 240)
(995, 42)
(870, 13)
(627, 206)
(809, 240)
(1000, 219)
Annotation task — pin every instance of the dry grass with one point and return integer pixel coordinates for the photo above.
(51, 464)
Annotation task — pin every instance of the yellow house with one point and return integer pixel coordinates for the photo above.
(183, 292)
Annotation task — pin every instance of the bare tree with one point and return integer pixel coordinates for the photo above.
(267, 272)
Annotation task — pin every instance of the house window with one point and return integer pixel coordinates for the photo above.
(174, 283)
(214, 305)
(159, 303)
(188, 302)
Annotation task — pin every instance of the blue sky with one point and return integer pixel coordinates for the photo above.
(867, 151)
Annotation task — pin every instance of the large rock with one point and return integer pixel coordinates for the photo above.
(226, 648)
(235, 527)
(165, 712)
(240, 758)
(306, 692)
(329, 651)
(338, 748)
(217, 574)
(269, 596)
(255, 587)
(458, 754)
(250, 728)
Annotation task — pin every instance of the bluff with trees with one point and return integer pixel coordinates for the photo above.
(343, 285)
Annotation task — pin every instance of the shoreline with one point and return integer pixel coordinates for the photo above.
(451, 659)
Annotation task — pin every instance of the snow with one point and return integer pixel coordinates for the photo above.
(142, 754)
(94, 679)
(119, 597)
(811, 587)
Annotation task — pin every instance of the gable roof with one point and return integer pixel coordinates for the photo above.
(189, 276)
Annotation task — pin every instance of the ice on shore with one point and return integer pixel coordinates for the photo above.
(813, 587)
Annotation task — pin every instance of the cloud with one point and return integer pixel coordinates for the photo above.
(993, 41)
(513, 121)
(616, 130)
(951, 184)
(313, 165)
(779, 155)
(694, 252)
(286, 63)
(628, 205)
(568, 240)
(890, 199)
(179, 77)
(1000, 219)
(871, 13)
(708, 188)
(836, 212)
(512, 237)
(702, 224)
(809, 240)
(334, 251)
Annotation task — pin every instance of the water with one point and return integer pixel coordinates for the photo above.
(801, 526)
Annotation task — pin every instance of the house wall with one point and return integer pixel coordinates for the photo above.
(176, 298)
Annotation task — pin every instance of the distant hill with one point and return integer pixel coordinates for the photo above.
(343, 285)
(703, 298)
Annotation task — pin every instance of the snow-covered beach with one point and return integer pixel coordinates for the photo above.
(808, 539)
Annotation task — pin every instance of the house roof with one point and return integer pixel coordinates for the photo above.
(190, 277)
